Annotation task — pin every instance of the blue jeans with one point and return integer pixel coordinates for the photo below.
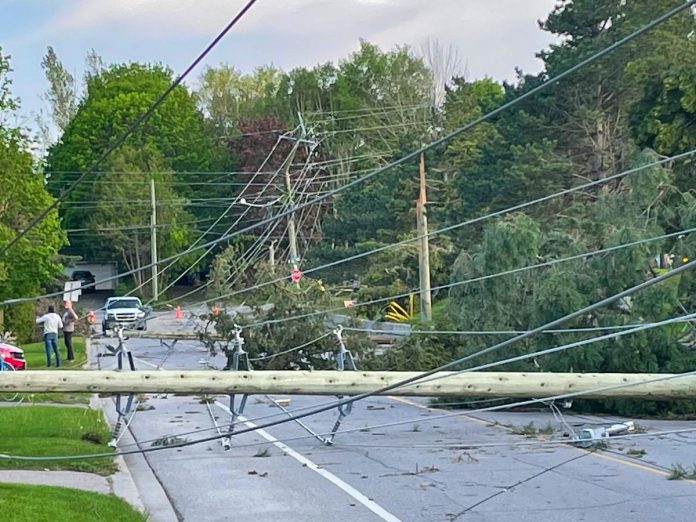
(51, 342)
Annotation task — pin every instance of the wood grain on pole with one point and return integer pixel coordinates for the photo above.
(474, 384)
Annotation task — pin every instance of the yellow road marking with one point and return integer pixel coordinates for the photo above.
(630, 463)
(612, 458)
(430, 408)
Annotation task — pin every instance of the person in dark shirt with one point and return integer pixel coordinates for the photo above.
(69, 319)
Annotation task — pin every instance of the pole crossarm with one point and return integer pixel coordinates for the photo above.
(181, 336)
(471, 384)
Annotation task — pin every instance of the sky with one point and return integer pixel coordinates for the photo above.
(492, 37)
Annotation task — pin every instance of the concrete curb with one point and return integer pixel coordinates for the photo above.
(138, 479)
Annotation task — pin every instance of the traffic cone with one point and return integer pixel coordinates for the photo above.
(178, 313)
(91, 317)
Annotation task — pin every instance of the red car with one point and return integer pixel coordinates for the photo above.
(12, 356)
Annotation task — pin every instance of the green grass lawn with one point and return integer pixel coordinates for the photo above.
(55, 398)
(26, 503)
(35, 354)
(54, 430)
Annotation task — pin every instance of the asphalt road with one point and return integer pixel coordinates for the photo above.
(399, 472)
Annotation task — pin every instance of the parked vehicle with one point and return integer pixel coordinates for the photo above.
(12, 356)
(127, 312)
(85, 277)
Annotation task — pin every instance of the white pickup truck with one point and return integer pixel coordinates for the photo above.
(127, 312)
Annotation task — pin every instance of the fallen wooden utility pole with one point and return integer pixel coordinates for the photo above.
(474, 384)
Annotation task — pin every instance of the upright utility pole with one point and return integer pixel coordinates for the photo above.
(423, 248)
(153, 241)
(292, 229)
(271, 253)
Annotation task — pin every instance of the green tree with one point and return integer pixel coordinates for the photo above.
(588, 111)
(33, 262)
(114, 99)
(227, 96)
(121, 214)
(274, 344)
(665, 118)
(62, 91)
(633, 211)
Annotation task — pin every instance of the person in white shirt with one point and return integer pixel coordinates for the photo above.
(52, 323)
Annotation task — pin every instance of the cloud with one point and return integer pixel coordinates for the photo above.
(205, 17)
(491, 36)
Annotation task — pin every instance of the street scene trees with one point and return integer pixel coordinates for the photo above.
(377, 209)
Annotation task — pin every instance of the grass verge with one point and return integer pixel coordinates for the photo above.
(55, 430)
(35, 354)
(25, 503)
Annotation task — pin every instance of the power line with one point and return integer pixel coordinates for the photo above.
(290, 350)
(253, 251)
(376, 113)
(219, 173)
(492, 332)
(424, 375)
(284, 420)
(368, 129)
(141, 119)
(562, 348)
(520, 482)
(258, 196)
(458, 444)
(364, 109)
(489, 276)
(136, 227)
(542, 86)
(475, 220)
(224, 213)
(393, 245)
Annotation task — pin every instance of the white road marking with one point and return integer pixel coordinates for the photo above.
(350, 490)
(148, 363)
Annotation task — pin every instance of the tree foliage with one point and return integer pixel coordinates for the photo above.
(114, 98)
(274, 344)
(33, 262)
(122, 212)
(62, 91)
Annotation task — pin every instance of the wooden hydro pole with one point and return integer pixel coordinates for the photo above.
(423, 247)
(459, 384)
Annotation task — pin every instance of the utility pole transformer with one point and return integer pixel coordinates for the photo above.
(153, 242)
(423, 247)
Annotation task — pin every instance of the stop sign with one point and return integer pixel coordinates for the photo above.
(296, 274)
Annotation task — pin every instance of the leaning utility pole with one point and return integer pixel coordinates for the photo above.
(423, 248)
(153, 241)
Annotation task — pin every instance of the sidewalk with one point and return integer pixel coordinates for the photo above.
(67, 479)
(120, 484)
